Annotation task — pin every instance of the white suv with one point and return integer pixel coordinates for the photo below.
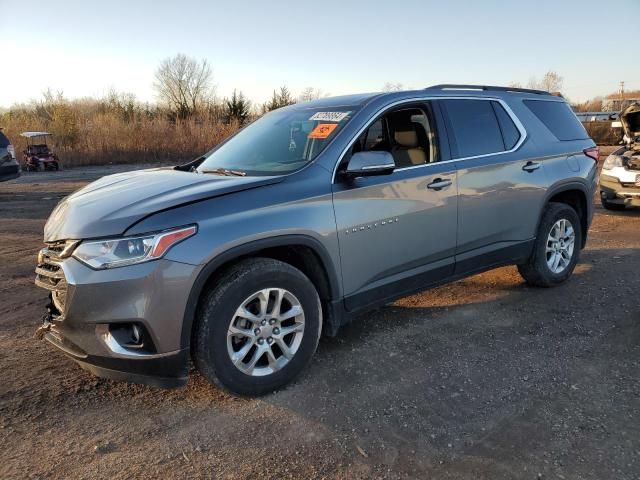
(620, 177)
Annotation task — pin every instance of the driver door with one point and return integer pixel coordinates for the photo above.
(397, 232)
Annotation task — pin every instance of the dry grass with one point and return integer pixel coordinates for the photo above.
(98, 132)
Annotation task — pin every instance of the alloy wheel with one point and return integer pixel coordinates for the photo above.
(265, 332)
(560, 245)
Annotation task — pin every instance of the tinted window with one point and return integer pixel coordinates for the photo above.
(558, 118)
(4, 141)
(510, 132)
(475, 127)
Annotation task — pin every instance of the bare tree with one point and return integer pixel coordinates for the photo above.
(593, 105)
(551, 82)
(309, 94)
(392, 87)
(184, 84)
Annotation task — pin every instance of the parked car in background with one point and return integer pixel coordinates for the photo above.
(307, 217)
(620, 176)
(38, 156)
(604, 127)
(9, 167)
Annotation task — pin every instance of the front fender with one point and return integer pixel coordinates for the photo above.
(247, 249)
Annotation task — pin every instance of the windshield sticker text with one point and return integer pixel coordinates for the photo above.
(329, 116)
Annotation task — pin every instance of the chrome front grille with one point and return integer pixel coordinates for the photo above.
(49, 272)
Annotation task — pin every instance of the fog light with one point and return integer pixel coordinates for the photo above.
(132, 336)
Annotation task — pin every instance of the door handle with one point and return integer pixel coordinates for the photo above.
(531, 167)
(439, 183)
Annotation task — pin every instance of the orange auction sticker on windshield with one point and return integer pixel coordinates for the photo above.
(323, 130)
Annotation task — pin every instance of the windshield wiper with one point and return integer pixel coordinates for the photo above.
(190, 166)
(225, 172)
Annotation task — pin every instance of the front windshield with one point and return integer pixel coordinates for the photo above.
(280, 142)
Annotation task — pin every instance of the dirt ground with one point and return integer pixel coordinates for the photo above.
(482, 379)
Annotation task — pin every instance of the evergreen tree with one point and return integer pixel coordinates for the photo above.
(284, 97)
(278, 100)
(237, 108)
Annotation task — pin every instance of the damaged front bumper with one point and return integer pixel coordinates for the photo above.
(124, 323)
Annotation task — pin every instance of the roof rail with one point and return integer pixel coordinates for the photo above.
(447, 86)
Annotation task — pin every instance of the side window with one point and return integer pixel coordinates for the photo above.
(408, 133)
(559, 119)
(510, 132)
(374, 136)
(475, 127)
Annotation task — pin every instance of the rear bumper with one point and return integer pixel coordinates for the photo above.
(615, 192)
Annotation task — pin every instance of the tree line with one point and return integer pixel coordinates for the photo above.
(185, 87)
(187, 119)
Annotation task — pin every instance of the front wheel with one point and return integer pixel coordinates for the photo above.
(556, 249)
(257, 327)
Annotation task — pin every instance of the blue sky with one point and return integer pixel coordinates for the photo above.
(84, 48)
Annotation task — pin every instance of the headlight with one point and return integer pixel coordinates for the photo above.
(118, 252)
(612, 161)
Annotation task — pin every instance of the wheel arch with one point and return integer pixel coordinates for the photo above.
(576, 195)
(301, 251)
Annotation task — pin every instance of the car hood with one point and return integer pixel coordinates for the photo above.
(630, 119)
(110, 205)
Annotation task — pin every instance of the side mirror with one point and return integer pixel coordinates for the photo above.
(366, 164)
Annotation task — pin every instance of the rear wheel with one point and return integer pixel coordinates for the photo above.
(557, 247)
(258, 327)
(612, 206)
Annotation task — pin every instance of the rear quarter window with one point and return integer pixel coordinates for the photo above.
(510, 132)
(558, 118)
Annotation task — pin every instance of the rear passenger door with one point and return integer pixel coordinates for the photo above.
(500, 189)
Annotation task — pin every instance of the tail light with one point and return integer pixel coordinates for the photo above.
(593, 152)
(12, 151)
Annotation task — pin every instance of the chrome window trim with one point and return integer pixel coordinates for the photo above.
(373, 167)
(374, 117)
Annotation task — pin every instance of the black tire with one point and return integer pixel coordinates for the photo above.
(617, 207)
(535, 271)
(216, 311)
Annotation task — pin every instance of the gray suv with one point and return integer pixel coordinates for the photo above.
(307, 217)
